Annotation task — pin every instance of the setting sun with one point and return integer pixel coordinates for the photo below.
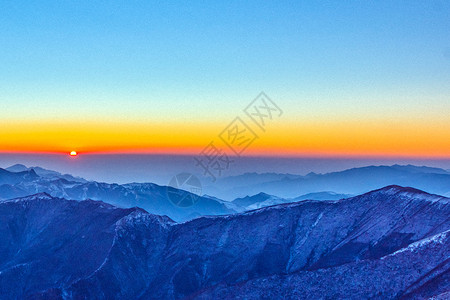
(73, 153)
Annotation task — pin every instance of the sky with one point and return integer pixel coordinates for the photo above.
(354, 79)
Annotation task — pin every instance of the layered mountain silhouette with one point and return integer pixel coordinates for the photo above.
(390, 243)
(321, 196)
(262, 200)
(352, 181)
(149, 196)
(50, 174)
(267, 189)
(258, 201)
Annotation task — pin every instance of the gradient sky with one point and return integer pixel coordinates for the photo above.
(353, 79)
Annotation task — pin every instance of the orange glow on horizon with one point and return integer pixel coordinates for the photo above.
(353, 138)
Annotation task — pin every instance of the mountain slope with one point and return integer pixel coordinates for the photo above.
(385, 244)
(392, 277)
(49, 242)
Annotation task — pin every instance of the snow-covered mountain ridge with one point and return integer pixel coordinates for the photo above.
(386, 244)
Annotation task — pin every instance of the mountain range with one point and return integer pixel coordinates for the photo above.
(256, 190)
(262, 199)
(352, 181)
(149, 196)
(50, 174)
(391, 243)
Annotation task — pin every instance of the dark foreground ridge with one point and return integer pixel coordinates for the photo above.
(387, 244)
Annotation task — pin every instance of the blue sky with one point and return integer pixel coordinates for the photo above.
(329, 62)
(80, 53)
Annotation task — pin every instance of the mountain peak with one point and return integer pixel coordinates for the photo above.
(399, 189)
(408, 192)
(17, 168)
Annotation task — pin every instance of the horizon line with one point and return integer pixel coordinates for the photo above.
(263, 154)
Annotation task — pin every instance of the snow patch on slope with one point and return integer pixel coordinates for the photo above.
(439, 238)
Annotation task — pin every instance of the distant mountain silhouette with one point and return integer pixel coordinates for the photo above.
(263, 200)
(258, 201)
(392, 243)
(353, 181)
(149, 196)
(7, 177)
(45, 173)
(321, 196)
(281, 188)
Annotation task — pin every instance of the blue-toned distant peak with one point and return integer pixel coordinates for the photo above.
(44, 173)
